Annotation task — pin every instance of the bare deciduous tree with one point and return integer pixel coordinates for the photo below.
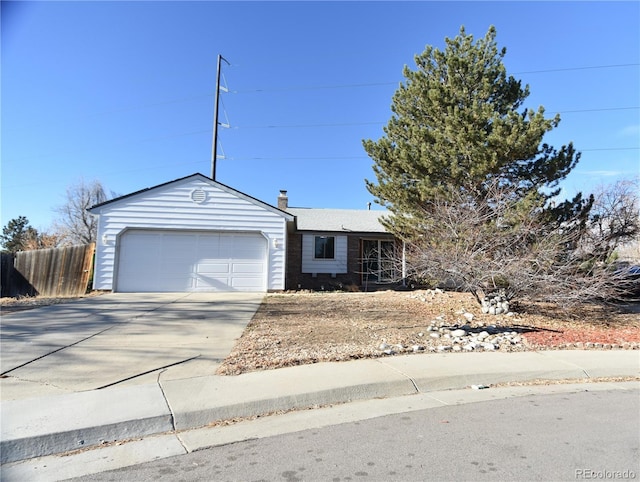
(615, 218)
(76, 225)
(481, 243)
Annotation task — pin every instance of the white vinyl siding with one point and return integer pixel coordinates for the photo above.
(311, 264)
(171, 207)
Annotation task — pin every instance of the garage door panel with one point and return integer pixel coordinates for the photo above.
(213, 268)
(191, 261)
(206, 283)
(247, 268)
(142, 247)
(225, 246)
(245, 284)
(185, 238)
(246, 253)
(171, 285)
(247, 256)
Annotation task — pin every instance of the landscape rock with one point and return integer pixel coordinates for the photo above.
(458, 338)
(495, 304)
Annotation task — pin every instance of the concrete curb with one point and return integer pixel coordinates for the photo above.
(45, 426)
(256, 393)
(450, 371)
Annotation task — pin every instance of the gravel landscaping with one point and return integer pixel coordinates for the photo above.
(301, 328)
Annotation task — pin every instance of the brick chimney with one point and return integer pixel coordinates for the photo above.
(283, 200)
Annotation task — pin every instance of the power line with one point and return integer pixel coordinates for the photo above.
(342, 158)
(611, 149)
(596, 110)
(260, 158)
(300, 158)
(323, 87)
(377, 84)
(351, 124)
(567, 69)
(292, 126)
(208, 131)
(314, 87)
(346, 124)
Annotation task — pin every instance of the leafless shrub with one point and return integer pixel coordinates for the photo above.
(41, 240)
(496, 240)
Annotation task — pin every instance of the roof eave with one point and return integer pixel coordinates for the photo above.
(289, 217)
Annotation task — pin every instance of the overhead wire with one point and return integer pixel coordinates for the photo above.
(376, 84)
(320, 87)
(348, 124)
(567, 69)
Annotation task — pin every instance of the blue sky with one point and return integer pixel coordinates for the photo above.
(123, 92)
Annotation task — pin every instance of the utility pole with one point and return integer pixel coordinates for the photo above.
(214, 147)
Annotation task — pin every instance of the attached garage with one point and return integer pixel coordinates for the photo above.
(191, 234)
(170, 261)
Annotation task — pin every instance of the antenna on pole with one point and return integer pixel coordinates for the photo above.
(214, 147)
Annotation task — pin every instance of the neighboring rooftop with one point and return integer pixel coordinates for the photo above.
(347, 220)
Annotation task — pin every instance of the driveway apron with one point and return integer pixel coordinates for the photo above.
(119, 339)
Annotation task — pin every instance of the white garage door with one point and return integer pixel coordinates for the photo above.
(191, 261)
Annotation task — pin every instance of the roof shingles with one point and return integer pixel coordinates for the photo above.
(337, 220)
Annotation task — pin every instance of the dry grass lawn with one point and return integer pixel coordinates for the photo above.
(301, 328)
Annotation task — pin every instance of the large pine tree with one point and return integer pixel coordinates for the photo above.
(459, 124)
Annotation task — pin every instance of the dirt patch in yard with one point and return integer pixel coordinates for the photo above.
(23, 303)
(302, 328)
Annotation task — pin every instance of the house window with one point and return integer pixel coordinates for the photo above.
(378, 261)
(324, 247)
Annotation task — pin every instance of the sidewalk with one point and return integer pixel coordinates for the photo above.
(34, 427)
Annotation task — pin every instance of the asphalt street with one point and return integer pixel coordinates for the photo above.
(586, 435)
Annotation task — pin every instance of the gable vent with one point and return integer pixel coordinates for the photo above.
(198, 196)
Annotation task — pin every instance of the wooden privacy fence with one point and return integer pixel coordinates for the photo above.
(59, 272)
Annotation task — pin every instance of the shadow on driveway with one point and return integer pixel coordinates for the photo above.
(119, 338)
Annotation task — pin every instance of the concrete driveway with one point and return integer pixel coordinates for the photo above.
(119, 339)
